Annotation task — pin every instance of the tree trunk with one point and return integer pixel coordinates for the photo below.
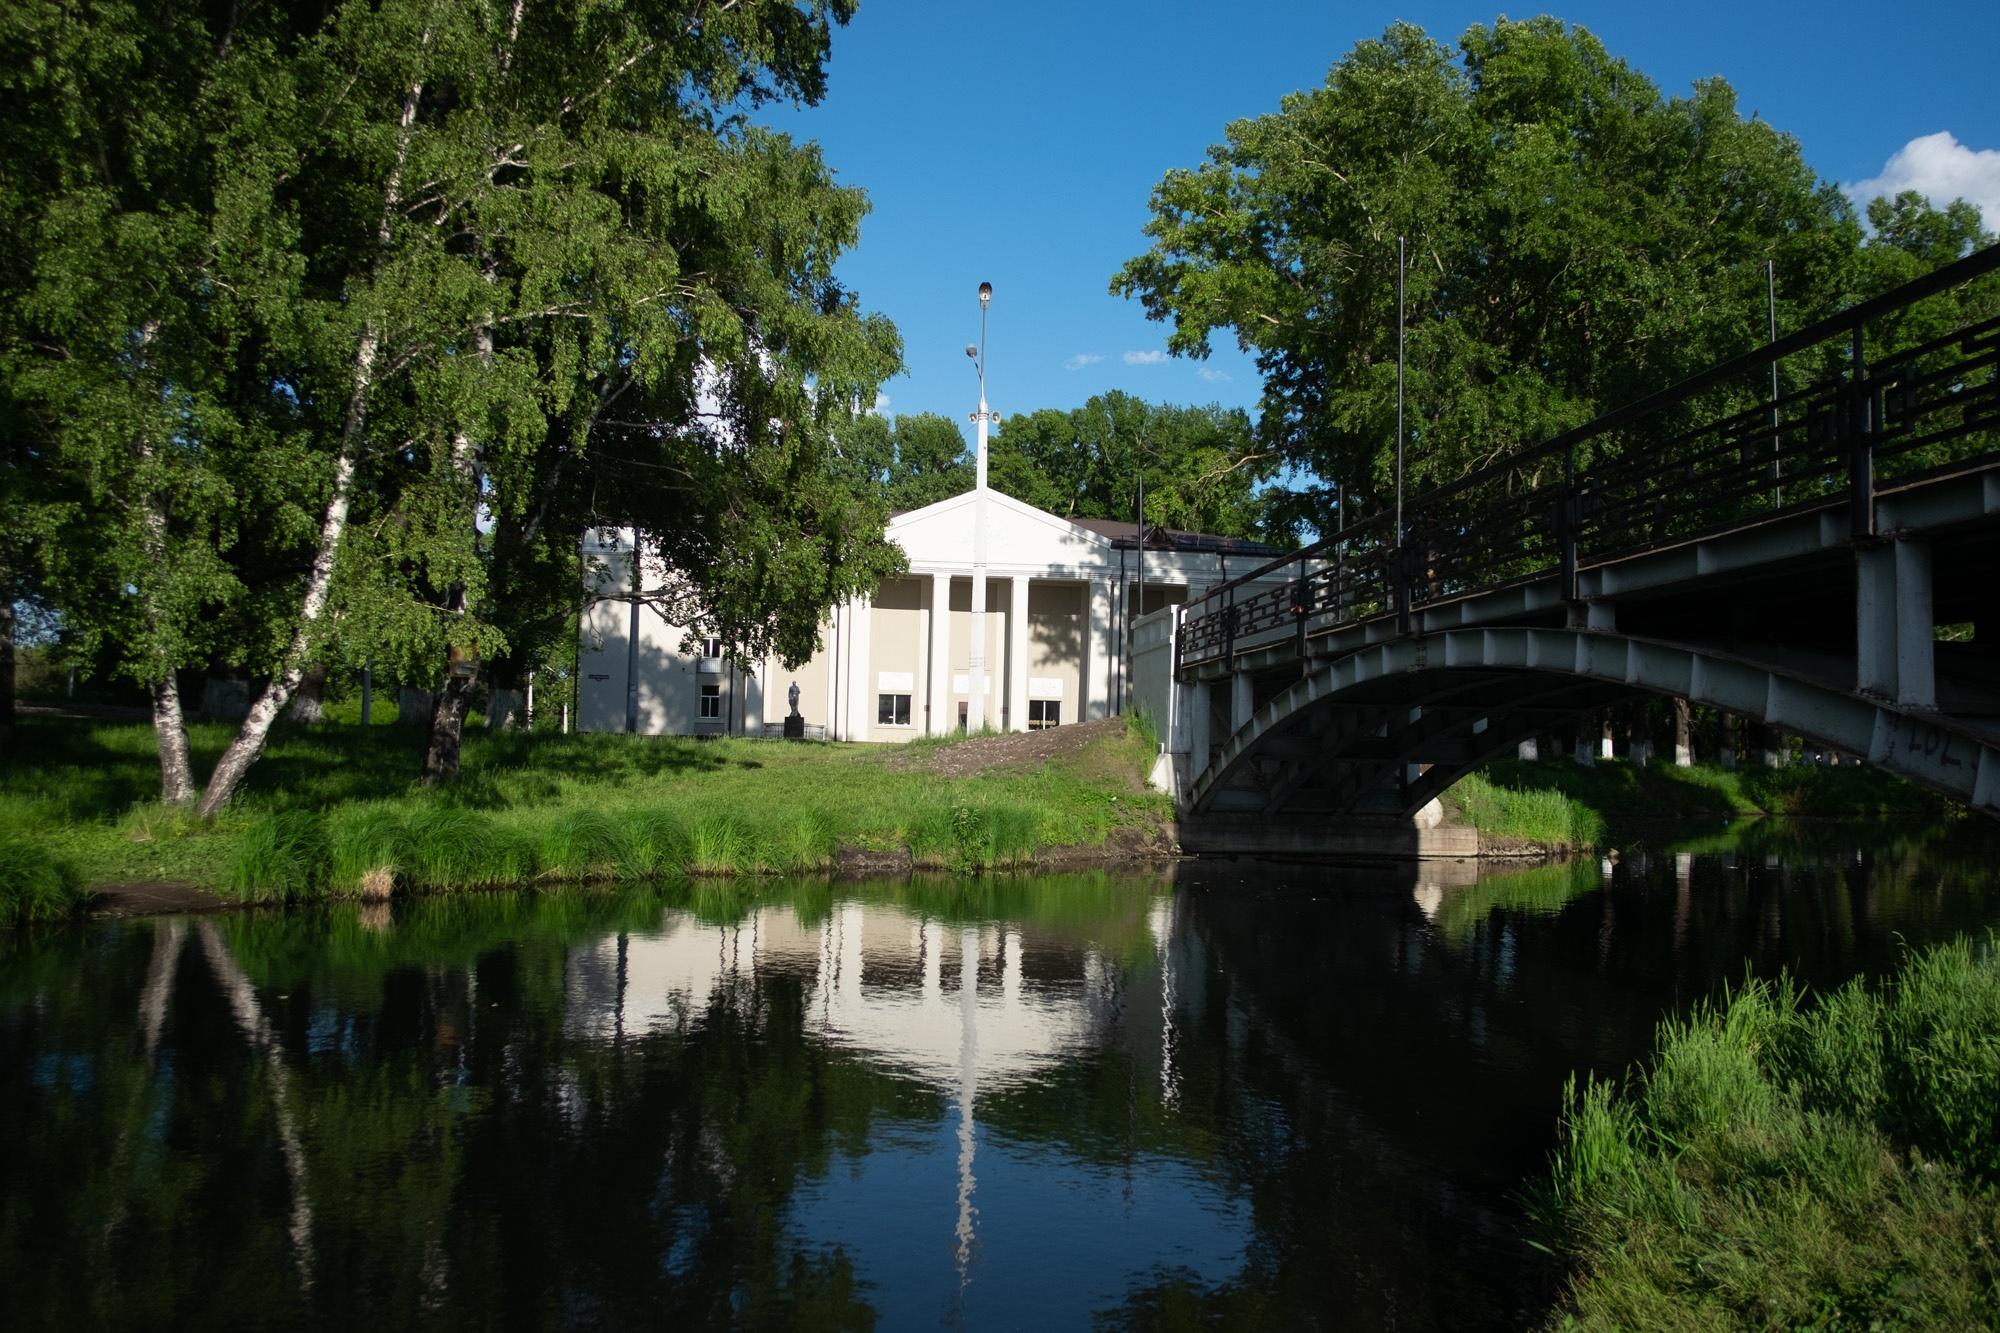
(309, 705)
(448, 714)
(1683, 734)
(256, 728)
(447, 730)
(170, 732)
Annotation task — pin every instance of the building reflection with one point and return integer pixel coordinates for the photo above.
(972, 1010)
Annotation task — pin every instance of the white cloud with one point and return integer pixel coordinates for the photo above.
(1941, 169)
(1082, 359)
(881, 403)
(1152, 358)
(1212, 375)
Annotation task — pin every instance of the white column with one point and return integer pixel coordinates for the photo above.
(860, 679)
(1097, 654)
(940, 718)
(835, 633)
(1017, 656)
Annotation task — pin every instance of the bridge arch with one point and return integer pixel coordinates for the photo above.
(1346, 736)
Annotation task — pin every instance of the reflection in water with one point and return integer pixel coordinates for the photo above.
(1287, 1097)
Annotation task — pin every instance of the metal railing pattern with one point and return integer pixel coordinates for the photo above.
(1710, 455)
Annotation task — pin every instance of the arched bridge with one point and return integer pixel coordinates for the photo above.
(1780, 537)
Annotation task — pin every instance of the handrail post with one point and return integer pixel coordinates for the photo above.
(1301, 598)
(1857, 426)
(1229, 632)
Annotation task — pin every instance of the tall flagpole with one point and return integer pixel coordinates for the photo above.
(975, 708)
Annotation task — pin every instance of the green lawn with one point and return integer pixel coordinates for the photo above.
(335, 809)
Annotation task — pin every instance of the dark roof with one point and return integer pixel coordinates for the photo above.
(1125, 534)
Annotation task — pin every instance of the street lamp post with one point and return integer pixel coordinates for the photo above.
(975, 708)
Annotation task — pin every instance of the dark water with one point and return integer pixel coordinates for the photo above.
(1235, 1093)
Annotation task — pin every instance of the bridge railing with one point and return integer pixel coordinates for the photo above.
(1717, 452)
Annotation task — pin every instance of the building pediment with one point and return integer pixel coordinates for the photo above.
(939, 535)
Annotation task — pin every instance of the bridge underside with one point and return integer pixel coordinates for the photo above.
(1382, 730)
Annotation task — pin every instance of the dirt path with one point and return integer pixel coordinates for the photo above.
(154, 898)
(1025, 749)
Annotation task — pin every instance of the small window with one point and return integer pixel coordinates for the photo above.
(711, 703)
(711, 646)
(1044, 713)
(892, 710)
(962, 715)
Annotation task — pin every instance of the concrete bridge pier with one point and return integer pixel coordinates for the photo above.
(1895, 628)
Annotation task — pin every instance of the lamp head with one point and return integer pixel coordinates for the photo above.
(972, 351)
(985, 294)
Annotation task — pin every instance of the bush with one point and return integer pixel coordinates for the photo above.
(35, 883)
(281, 857)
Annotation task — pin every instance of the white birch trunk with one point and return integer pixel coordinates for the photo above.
(256, 728)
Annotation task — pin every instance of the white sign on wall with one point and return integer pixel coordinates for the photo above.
(1045, 687)
(962, 683)
(895, 682)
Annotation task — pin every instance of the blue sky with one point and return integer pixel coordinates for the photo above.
(1017, 143)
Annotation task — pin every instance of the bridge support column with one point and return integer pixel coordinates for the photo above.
(1894, 653)
(1197, 729)
(1242, 700)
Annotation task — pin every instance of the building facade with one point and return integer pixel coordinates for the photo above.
(1060, 600)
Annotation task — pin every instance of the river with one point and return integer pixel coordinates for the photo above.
(1281, 1096)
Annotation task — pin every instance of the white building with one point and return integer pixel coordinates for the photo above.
(1060, 599)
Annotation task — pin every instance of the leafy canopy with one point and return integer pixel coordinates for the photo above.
(1575, 240)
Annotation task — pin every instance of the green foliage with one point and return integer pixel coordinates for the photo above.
(1201, 465)
(1785, 1164)
(407, 296)
(1528, 813)
(36, 884)
(1575, 241)
(281, 857)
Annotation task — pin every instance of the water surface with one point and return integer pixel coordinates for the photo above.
(1291, 1096)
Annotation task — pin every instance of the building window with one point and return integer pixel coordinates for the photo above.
(711, 646)
(892, 710)
(711, 703)
(1044, 713)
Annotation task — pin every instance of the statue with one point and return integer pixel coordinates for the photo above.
(795, 726)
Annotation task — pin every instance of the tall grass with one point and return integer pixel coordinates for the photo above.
(36, 884)
(1784, 1163)
(281, 857)
(1529, 814)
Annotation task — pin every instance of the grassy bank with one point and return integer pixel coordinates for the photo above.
(1790, 1164)
(1560, 803)
(333, 810)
